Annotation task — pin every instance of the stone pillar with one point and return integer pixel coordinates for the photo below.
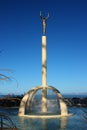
(44, 75)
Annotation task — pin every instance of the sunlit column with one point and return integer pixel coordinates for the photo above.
(44, 75)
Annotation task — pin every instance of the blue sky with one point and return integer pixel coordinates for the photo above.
(20, 42)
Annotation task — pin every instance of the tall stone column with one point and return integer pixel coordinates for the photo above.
(44, 75)
(44, 67)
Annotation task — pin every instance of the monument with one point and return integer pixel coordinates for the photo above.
(42, 105)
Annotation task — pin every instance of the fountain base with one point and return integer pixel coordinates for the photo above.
(46, 116)
(32, 105)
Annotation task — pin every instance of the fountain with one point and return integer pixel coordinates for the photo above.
(43, 101)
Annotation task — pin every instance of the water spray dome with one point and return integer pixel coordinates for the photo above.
(43, 101)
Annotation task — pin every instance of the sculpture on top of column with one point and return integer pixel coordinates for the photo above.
(44, 22)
